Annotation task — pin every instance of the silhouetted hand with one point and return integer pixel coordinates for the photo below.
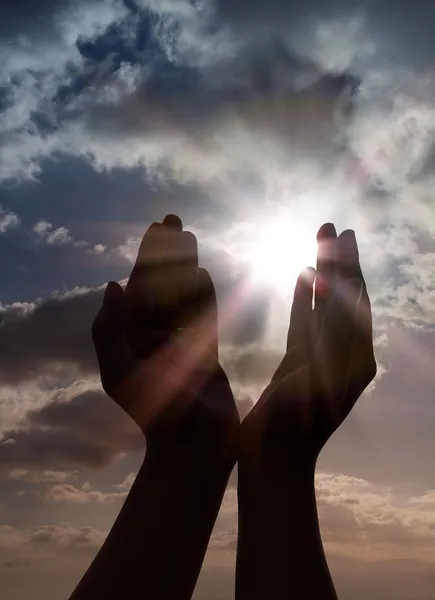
(157, 343)
(328, 363)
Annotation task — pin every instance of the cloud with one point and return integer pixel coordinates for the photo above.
(64, 536)
(128, 250)
(41, 60)
(359, 520)
(118, 111)
(75, 429)
(8, 220)
(66, 493)
(369, 521)
(59, 236)
(19, 547)
(36, 448)
(91, 416)
(63, 322)
(127, 483)
(427, 499)
(45, 476)
(238, 110)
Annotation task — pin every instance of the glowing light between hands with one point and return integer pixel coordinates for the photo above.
(279, 251)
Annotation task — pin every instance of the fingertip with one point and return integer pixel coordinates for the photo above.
(305, 280)
(204, 275)
(190, 237)
(173, 221)
(348, 246)
(348, 234)
(189, 245)
(309, 274)
(113, 293)
(327, 230)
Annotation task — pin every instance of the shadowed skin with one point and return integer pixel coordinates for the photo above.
(156, 345)
(329, 361)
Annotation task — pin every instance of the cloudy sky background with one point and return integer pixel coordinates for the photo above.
(233, 114)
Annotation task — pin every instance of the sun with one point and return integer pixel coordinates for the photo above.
(279, 250)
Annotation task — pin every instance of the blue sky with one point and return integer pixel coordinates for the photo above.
(255, 122)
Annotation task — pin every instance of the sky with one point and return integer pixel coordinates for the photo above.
(255, 122)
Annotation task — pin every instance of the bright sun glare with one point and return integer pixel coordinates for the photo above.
(279, 250)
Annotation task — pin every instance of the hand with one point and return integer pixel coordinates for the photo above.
(157, 344)
(328, 364)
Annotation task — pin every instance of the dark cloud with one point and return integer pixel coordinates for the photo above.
(279, 13)
(87, 430)
(55, 333)
(171, 118)
(29, 18)
(38, 448)
(384, 26)
(260, 99)
(91, 417)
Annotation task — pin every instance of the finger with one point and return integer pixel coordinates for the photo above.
(166, 284)
(109, 334)
(326, 260)
(302, 310)
(208, 310)
(174, 222)
(363, 362)
(349, 269)
(141, 284)
(337, 338)
(340, 321)
(187, 306)
(347, 256)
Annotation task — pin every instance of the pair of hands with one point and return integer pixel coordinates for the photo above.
(157, 348)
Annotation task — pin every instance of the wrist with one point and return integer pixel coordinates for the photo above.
(280, 552)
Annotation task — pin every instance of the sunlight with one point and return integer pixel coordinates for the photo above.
(280, 250)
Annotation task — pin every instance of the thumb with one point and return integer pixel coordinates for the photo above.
(109, 334)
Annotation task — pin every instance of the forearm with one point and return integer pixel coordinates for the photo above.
(280, 553)
(157, 544)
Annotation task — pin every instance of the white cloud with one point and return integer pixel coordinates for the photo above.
(127, 483)
(37, 477)
(8, 220)
(66, 493)
(47, 541)
(359, 521)
(58, 236)
(61, 236)
(427, 500)
(128, 250)
(372, 521)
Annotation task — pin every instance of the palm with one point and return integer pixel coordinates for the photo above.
(157, 341)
